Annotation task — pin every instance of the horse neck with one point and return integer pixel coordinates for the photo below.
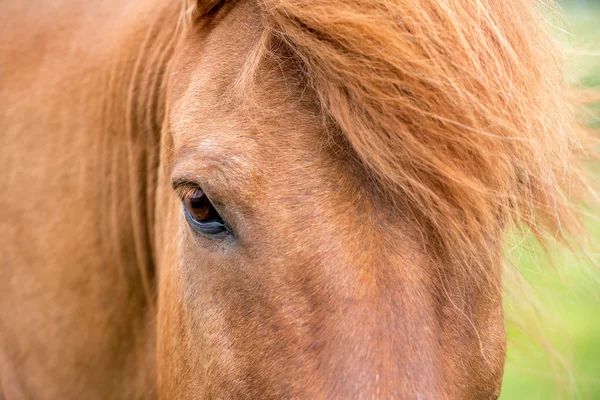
(134, 110)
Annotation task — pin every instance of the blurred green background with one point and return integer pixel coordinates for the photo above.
(557, 354)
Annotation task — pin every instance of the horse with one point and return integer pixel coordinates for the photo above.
(217, 199)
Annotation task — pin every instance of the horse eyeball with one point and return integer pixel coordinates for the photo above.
(198, 205)
(201, 213)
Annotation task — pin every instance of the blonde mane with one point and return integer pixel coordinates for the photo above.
(457, 107)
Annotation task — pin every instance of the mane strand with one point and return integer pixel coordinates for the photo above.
(459, 108)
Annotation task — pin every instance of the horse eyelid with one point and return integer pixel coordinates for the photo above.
(187, 189)
(183, 187)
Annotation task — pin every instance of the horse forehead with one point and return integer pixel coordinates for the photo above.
(227, 152)
(225, 131)
(202, 124)
(212, 59)
(209, 125)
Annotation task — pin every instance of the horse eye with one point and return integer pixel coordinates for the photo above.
(201, 214)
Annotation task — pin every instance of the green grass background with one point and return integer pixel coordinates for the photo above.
(561, 357)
